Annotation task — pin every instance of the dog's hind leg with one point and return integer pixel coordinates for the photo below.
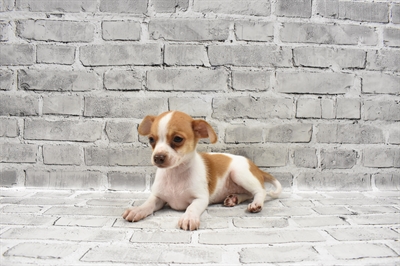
(235, 199)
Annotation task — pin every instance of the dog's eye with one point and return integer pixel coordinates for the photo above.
(151, 140)
(178, 139)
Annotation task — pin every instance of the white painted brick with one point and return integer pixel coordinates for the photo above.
(296, 8)
(360, 234)
(121, 30)
(338, 159)
(319, 221)
(305, 157)
(114, 156)
(83, 221)
(55, 54)
(381, 157)
(6, 80)
(62, 154)
(9, 128)
(177, 237)
(289, 133)
(86, 211)
(364, 11)
(373, 82)
(391, 37)
(396, 13)
(185, 55)
(332, 181)
(381, 110)
(122, 6)
(17, 54)
(250, 80)
(354, 251)
(57, 6)
(382, 219)
(22, 153)
(245, 7)
(197, 107)
(123, 80)
(387, 181)
(15, 217)
(237, 134)
(252, 222)
(254, 31)
(383, 60)
(162, 6)
(258, 237)
(125, 132)
(42, 250)
(127, 181)
(62, 105)
(313, 83)
(279, 254)
(349, 133)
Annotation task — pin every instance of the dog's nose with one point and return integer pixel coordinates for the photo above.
(159, 159)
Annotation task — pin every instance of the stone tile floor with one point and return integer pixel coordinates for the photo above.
(47, 227)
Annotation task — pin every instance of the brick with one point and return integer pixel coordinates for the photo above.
(349, 133)
(198, 107)
(285, 178)
(55, 54)
(338, 159)
(6, 80)
(185, 55)
(42, 250)
(6, 5)
(121, 54)
(18, 105)
(348, 108)
(121, 30)
(167, 254)
(327, 57)
(26, 219)
(5, 31)
(373, 82)
(187, 79)
(61, 179)
(319, 221)
(62, 104)
(271, 156)
(17, 54)
(381, 157)
(61, 154)
(248, 107)
(124, 132)
(58, 31)
(289, 133)
(84, 211)
(9, 128)
(380, 219)
(51, 80)
(387, 181)
(8, 178)
(333, 210)
(123, 80)
(362, 11)
(124, 6)
(313, 83)
(344, 251)
(127, 181)
(394, 135)
(396, 13)
(255, 55)
(57, 6)
(189, 29)
(305, 157)
(258, 237)
(69, 130)
(278, 254)
(376, 210)
(172, 237)
(251, 222)
(243, 134)
(245, 7)
(162, 6)
(391, 37)
(332, 181)
(290, 8)
(65, 234)
(381, 110)
(315, 108)
(383, 60)
(328, 34)
(121, 156)
(259, 31)
(328, 8)
(124, 107)
(18, 153)
(362, 234)
(250, 80)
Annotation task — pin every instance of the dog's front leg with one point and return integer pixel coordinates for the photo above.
(152, 204)
(190, 220)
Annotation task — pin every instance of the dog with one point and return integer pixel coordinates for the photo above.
(189, 181)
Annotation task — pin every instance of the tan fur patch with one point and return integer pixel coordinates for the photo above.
(217, 165)
(259, 174)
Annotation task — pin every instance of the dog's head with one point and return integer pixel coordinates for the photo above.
(173, 137)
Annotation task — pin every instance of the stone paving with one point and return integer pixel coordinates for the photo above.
(64, 227)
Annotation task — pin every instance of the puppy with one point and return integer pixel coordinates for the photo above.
(188, 180)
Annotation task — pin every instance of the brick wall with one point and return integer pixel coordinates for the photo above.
(309, 90)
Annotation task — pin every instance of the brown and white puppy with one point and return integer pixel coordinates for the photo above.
(188, 180)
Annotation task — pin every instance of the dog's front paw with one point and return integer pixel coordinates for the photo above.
(189, 222)
(254, 207)
(134, 214)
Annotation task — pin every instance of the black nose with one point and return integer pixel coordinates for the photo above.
(159, 159)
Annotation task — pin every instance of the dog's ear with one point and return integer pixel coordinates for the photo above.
(203, 130)
(145, 126)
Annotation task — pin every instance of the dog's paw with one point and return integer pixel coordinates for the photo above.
(231, 200)
(134, 214)
(254, 207)
(189, 222)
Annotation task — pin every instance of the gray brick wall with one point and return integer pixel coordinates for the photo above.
(309, 90)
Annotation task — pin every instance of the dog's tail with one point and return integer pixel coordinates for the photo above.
(278, 187)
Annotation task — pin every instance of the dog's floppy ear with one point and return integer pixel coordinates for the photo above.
(203, 130)
(145, 126)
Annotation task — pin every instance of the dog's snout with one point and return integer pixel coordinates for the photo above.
(159, 159)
